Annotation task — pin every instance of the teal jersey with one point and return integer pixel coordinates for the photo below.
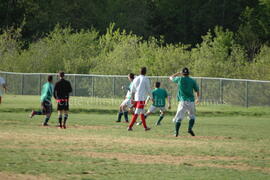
(186, 86)
(159, 96)
(129, 93)
(46, 92)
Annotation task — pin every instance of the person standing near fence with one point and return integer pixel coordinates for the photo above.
(61, 93)
(140, 90)
(46, 103)
(2, 84)
(185, 96)
(127, 103)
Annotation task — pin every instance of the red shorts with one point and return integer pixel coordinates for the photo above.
(139, 104)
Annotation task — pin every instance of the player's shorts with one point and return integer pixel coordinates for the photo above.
(183, 107)
(62, 104)
(128, 103)
(139, 105)
(46, 107)
(153, 109)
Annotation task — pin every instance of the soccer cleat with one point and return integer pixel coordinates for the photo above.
(176, 134)
(139, 123)
(117, 121)
(32, 114)
(60, 126)
(45, 124)
(191, 132)
(147, 129)
(64, 126)
(158, 124)
(129, 129)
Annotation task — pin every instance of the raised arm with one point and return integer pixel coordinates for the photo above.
(175, 75)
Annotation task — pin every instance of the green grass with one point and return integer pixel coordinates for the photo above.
(94, 147)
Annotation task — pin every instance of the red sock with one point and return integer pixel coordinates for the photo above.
(143, 121)
(133, 120)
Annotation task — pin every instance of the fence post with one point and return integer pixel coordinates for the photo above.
(22, 84)
(39, 87)
(247, 94)
(93, 86)
(221, 91)
(74, 85)
(113, 86)
(201, 92)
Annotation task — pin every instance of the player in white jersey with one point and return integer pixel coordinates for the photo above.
(127, 103)
(3, 84)
(140, 91)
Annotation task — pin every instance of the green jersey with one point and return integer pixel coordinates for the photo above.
(159, 96)
(186, 85)
(46, 92)
(129, 93)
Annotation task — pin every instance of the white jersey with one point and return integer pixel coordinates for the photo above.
(2, 81)
(141, 88)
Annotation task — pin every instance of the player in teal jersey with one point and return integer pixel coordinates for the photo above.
(185, 96)
(46, 104)
(159, 96)
(127, 103)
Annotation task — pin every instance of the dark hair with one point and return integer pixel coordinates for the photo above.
(143, 70)
(131, 75)
(50, 78)
(61, 74)
(157, 84)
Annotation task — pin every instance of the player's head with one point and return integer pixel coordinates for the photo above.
(185, 71)
(50, 78)
(143, 71)
(131, 76)
(157, 84)
(61, 74)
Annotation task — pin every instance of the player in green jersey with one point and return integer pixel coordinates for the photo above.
(185, 96)
(159, 96)
(46, 104)
(127, 103)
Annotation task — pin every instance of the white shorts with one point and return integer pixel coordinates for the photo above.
(183, 107)
(127, 102)
(153, 109)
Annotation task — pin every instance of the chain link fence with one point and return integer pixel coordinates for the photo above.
(213, 90)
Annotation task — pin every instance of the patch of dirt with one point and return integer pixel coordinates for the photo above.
(12, 176)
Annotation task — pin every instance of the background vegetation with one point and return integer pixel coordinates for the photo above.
(214, 38)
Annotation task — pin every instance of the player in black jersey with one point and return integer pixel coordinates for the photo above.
(61, 93)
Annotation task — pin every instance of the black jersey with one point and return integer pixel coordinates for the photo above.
(62, 89)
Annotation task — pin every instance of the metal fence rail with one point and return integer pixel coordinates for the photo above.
(240, 92)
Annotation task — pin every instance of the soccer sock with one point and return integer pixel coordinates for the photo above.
(60, 120)
(160, 119)
(133, 120)
(177, 127)
(38, 113)
(46, 120)
(191, 124)
(65, 118)
(126, 116)
(143, 121)
(120, 113)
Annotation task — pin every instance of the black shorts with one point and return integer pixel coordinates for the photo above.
(63, 105)
(46, 107)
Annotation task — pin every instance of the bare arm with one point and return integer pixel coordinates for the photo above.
(174, 75)
(197, 101)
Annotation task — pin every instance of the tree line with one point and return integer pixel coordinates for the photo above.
(218, 38)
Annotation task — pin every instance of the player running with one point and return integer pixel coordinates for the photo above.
(127, 103)
(46, 103)
(3, 84)
(159, 96)
(140, 90)
(61, 93)
(185, 96)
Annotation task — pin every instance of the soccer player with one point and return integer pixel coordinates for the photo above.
(61, 93)
(140, 90)
(46, 104)
(185, 96)
(127, 103)
(159, 96)
(3, 84)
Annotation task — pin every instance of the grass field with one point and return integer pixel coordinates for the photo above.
(231, 143)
